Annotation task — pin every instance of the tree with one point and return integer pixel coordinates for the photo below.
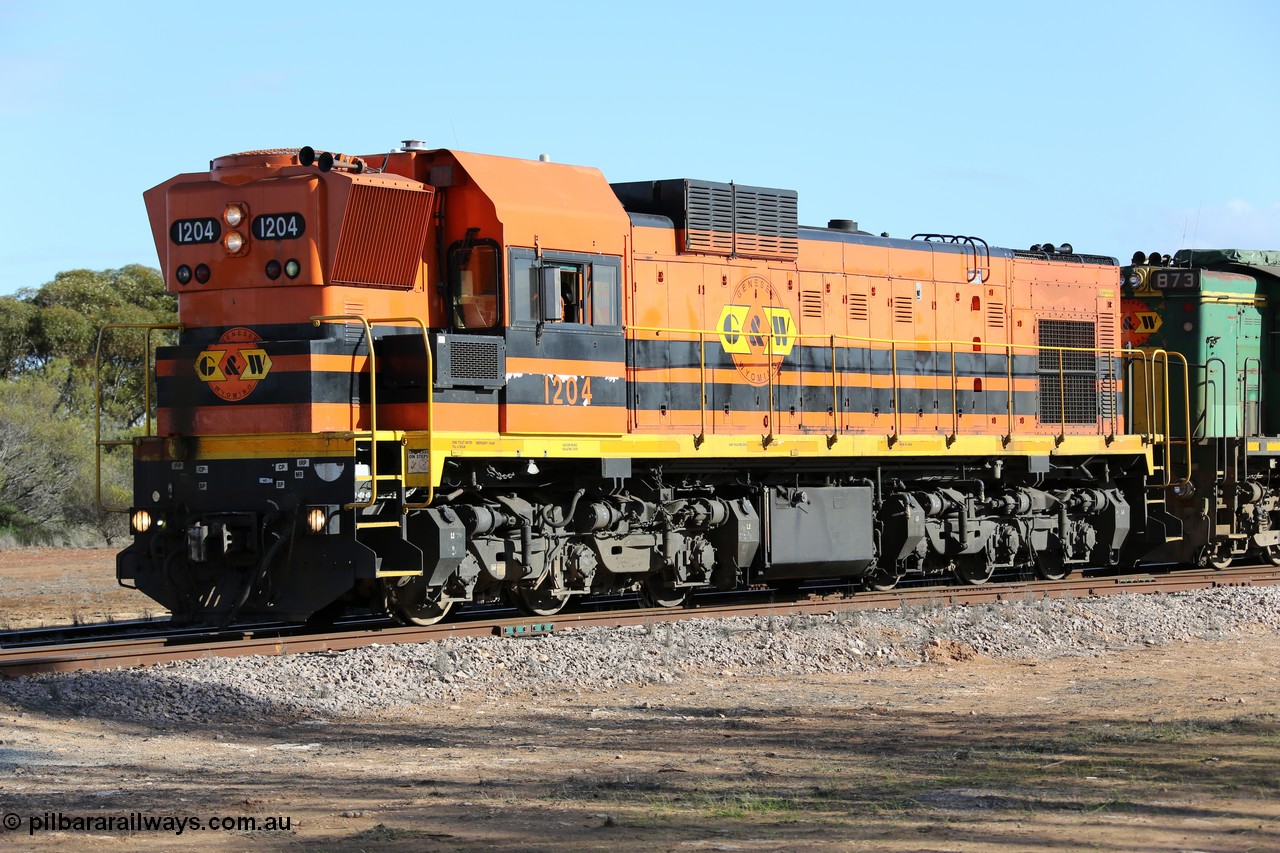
(54, 331)
(48, 362)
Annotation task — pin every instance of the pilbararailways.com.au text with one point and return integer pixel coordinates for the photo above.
(139, 822)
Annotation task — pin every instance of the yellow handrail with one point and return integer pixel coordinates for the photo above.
(373, 404)
(955, 405)
(895, 380)
(99, 441)
(702, 389)
(368, 324)
(835, 397)
(1165, 355)
(431, 423)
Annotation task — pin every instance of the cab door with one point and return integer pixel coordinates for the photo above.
(565, 348)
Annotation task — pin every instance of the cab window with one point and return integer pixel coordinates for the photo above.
(570, 288)
(473, 284)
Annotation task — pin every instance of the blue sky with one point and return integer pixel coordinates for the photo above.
(1114, 126)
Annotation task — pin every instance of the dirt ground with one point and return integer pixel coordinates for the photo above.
(50, 586)
(1166, 748)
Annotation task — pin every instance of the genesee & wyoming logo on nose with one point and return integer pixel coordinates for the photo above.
(233, 366)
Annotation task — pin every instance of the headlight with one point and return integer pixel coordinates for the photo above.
(1134, 279)
(322, 519)
(140, 521)
(316, 518)
(292, 268)
(234, 241)
(233, 215)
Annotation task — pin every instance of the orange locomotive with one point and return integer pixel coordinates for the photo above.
(414, 379)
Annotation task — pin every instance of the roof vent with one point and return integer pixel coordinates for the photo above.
(842, 225)
(413, 145)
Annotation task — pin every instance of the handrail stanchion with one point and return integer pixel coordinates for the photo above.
(955, 396)
(768, 439)
(702, 388)
(373, 404)
(893, 378)
(1008, 348)
(1062, 396)
(835, 397)
(1186, 404)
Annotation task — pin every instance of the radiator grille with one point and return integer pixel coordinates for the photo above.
(766, 224)
(1068, 379)
(383, 232)
(720, 219)
(710, 219)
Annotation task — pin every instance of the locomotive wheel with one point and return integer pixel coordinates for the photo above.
(655, 594)
(879, 580)
(540, 600)
(1272, 553)
(1049, 567)
(415, 603)
(973, 569)
(1217, 554)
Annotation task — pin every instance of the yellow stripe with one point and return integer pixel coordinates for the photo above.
(444, 445)
(282, 445)
(1233, 298)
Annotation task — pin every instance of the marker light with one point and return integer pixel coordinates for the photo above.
(292, 268)
(202, 273)
(183, 274)
(273, 269)
(233, 215)
(141, 521)
(234, 241)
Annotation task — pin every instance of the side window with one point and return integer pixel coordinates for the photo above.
(573, 289)
(604, 293)
(525, 305)
(473, 284)
(585, 286)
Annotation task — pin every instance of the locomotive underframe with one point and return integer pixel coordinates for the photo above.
(1231, 509)
(541, 533)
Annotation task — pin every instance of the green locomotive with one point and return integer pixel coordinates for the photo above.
(1217, 308)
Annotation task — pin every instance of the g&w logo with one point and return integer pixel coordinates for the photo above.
(233, 365)
(755, 332)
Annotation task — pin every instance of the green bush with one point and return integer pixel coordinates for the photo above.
(49, 367)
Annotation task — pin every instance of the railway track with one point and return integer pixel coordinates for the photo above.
(183, 644)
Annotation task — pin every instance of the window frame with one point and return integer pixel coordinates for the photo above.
(454, 283)
(521, 258)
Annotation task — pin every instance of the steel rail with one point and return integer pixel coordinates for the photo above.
(157, 650)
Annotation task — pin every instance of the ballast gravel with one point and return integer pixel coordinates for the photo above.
(345, 684)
